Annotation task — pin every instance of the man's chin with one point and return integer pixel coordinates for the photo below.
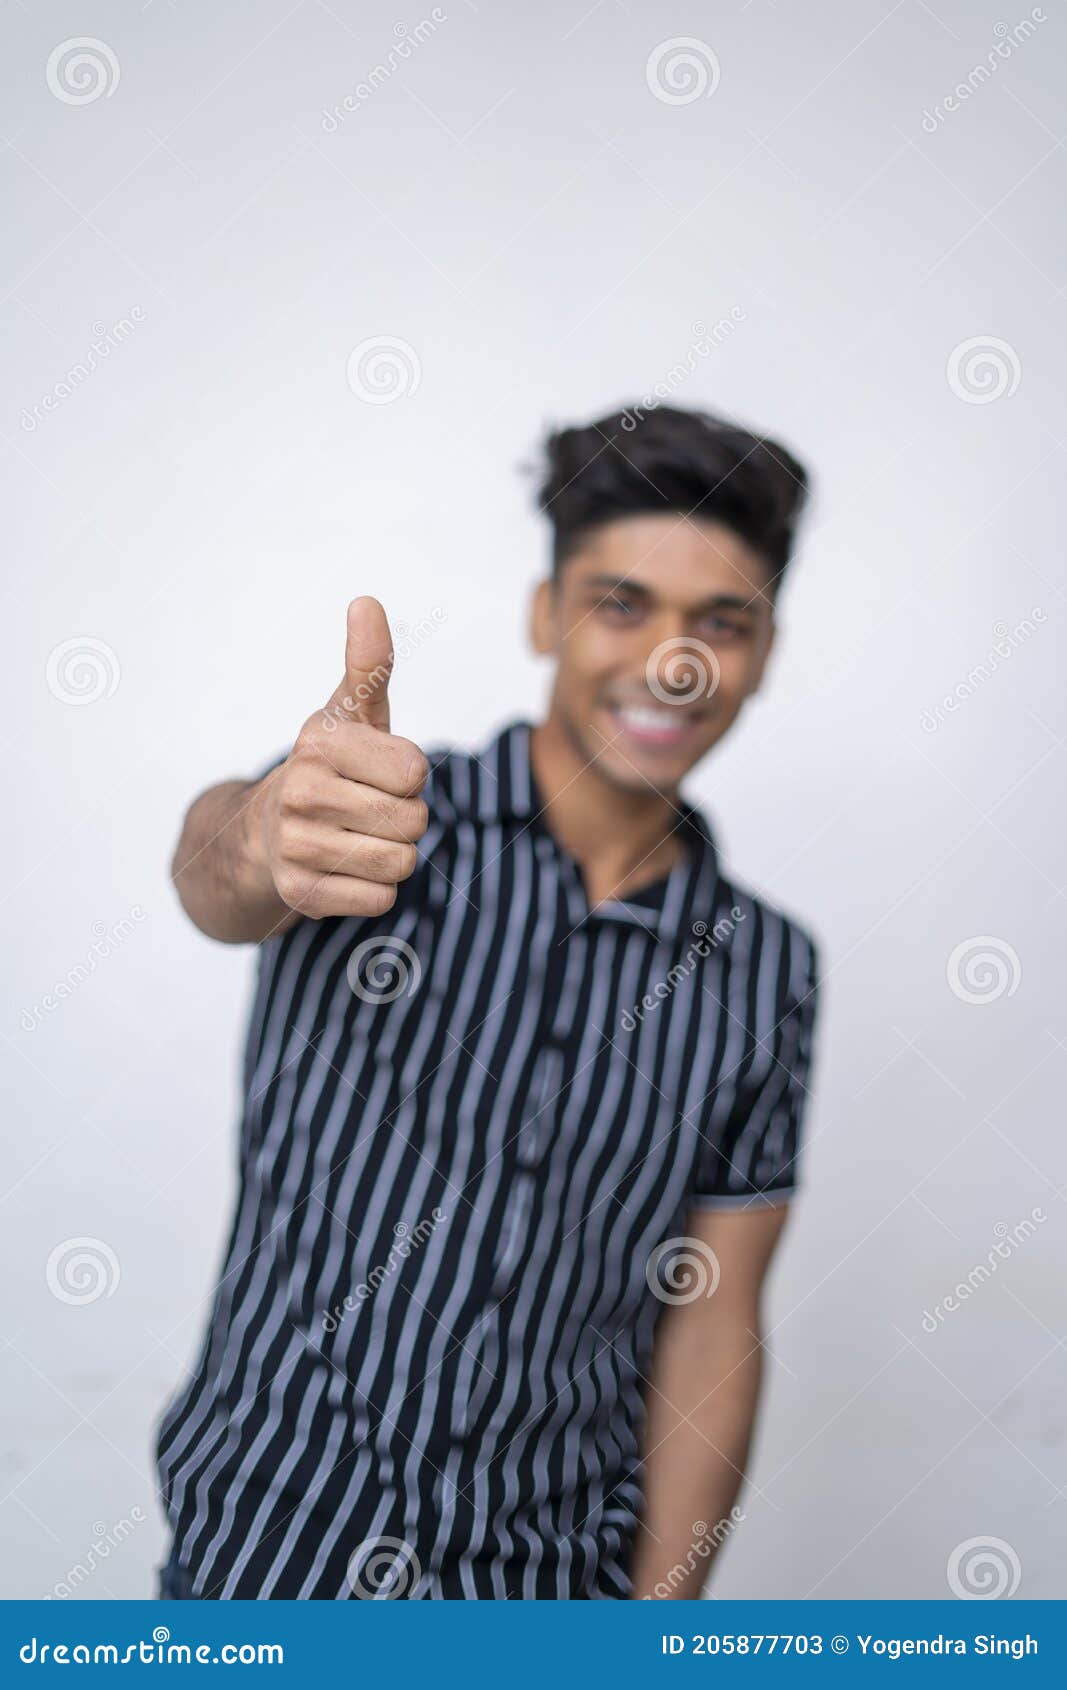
(639, 771)
(639, 764)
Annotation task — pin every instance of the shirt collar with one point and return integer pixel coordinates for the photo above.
(496, 784)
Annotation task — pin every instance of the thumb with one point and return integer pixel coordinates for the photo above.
(364, 692)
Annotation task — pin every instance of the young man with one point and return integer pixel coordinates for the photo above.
(524, 1083)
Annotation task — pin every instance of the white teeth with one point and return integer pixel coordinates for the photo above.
(662, 724)
(641, 718)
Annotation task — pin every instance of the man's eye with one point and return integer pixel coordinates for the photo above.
(620, 608)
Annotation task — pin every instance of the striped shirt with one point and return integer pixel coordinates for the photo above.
(472, 1134)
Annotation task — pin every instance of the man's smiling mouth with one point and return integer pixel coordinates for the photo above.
(663, 725)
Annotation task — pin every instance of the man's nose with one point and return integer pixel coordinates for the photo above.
(681, 668)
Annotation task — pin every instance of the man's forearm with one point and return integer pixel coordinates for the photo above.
(220, 868)
(701, 1410)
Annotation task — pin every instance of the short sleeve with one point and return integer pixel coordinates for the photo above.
(752, 1157)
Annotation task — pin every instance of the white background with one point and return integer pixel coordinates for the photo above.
(516, 203)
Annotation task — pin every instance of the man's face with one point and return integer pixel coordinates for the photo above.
(660, 626)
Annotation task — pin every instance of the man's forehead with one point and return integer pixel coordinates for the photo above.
(669, 554)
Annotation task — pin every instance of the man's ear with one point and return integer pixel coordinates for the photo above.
(543, 628)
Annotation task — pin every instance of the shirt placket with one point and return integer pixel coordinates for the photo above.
(526, 1152)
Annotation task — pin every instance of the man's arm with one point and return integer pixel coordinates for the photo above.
(221, 869)
(701, 1404)
(330, 832)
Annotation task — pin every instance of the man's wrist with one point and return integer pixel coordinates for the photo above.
(252, 871)
(251, 878)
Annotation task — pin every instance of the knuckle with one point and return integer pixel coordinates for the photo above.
(376, 859)
(377, 900)
(291, 887)
(296, 841)
(289, 798)
(418, 770)
(383, 806)
(312, 735)
(358, 737)
(345, 859)
(411, 764)
(297, 793)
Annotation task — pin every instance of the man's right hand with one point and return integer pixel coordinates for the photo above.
(335, 826)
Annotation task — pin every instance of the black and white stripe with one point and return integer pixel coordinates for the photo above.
(481, 1400)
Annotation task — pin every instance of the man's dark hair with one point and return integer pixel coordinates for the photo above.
(640, 461)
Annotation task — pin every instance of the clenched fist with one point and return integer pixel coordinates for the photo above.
(335, 827)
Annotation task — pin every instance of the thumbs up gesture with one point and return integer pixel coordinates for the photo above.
(339, 820)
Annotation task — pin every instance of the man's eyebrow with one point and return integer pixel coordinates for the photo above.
(730, 601)
(625, 584)
(618, 584)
